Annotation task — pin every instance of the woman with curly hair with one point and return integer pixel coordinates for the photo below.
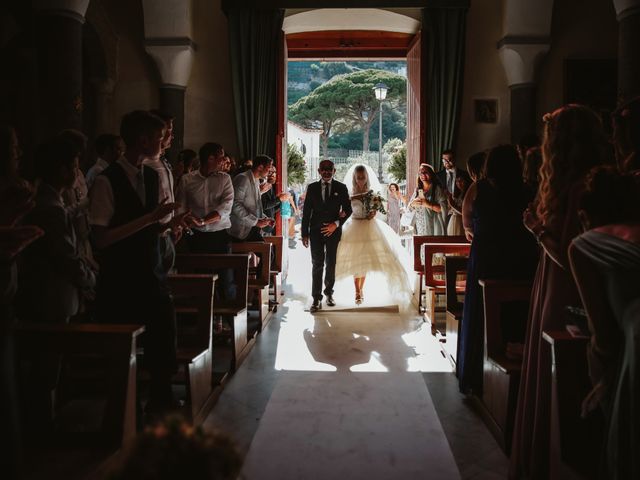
(574, 142)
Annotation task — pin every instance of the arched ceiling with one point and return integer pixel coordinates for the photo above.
(350, 19)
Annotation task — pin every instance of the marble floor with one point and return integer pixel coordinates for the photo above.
(354, 392)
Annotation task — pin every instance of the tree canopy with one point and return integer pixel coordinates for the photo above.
(398, 165)
(346, 102)
(296, 167)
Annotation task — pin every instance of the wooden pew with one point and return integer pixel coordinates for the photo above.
(234, 309)
(501, 377)
(193, 297)
(434, 280)
(258, 279)
(453, 267)
(276, 273)
(115, 343)
(576, 442)
(418, 263)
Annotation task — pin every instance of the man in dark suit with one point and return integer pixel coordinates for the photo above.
(447, 176)
(322, 225)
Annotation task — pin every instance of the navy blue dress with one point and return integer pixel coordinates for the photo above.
(501, 248)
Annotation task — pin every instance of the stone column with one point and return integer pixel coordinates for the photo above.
(523, 110)
(174, 57)
(104, 89)
(628, 14)
(168, 34)
(58, 26)
(171, 100)
(520, 57)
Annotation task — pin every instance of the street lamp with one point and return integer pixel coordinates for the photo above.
(381, 93)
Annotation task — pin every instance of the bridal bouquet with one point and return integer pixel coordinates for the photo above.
(373, 202)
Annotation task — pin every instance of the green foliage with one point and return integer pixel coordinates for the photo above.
(296, 166)
(349, 100)
(294, 94)
(301, 73)
(392, 146)
(398, 164)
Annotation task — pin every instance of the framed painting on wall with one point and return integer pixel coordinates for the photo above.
(485, 110)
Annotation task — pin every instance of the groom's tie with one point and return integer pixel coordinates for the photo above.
(325, 196)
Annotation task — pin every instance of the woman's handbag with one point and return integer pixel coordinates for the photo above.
(408, 217)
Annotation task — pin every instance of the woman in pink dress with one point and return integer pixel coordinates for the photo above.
(395, 204)
(574, 142)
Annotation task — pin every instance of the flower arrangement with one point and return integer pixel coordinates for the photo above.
(373, 202)
(175, 449)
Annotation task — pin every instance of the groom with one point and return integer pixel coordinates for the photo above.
(322, 224)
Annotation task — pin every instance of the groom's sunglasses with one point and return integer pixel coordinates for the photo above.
(326, 169)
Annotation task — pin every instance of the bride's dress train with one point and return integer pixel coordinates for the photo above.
(371, 248)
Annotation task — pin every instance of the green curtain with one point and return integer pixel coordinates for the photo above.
(446, 36)
(254, 43)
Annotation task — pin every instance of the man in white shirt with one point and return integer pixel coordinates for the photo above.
(161, 166)
(109, 148)
(208, 194)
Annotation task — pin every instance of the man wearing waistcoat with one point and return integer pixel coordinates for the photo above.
(132, 286)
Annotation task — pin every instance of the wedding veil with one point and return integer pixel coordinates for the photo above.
(374, 183)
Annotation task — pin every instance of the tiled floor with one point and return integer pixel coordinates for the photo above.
(304, 347)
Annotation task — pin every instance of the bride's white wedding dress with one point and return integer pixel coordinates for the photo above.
(372, 247)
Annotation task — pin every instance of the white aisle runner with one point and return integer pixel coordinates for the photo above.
(364, 417)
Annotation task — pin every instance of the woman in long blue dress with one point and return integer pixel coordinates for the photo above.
(501, 247)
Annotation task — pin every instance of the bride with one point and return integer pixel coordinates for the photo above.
(369, 245)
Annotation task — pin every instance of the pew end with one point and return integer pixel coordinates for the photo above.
(115, 344)
(276, 274)
(454, 267)
(576, 442)
(233, 309)
(501, 372)
(258, 280)
(434, 279)
(193, 296)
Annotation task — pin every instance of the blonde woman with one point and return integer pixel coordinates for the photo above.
(369, 245)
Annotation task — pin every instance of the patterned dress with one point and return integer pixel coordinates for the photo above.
(394, 212)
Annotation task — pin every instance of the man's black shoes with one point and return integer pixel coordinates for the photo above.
(330, 301)
(315, 306)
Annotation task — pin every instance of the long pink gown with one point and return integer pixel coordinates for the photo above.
(553, 289)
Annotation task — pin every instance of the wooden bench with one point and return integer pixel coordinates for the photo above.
(576, 442)
(501, 374)
(234, 309)
(434, 276)
(193, 297)
(276, 273)
(453, 267)
(258, 279)
(115, 343)
(418, 261)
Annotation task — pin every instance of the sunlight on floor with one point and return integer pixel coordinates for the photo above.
(350, 341)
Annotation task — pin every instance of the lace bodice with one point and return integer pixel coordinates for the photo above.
(358, 209)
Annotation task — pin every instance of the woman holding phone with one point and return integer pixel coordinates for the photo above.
(429, 203)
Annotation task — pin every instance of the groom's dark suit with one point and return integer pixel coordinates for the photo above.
(316, 213)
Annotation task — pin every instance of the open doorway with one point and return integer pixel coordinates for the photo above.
(332, 60)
